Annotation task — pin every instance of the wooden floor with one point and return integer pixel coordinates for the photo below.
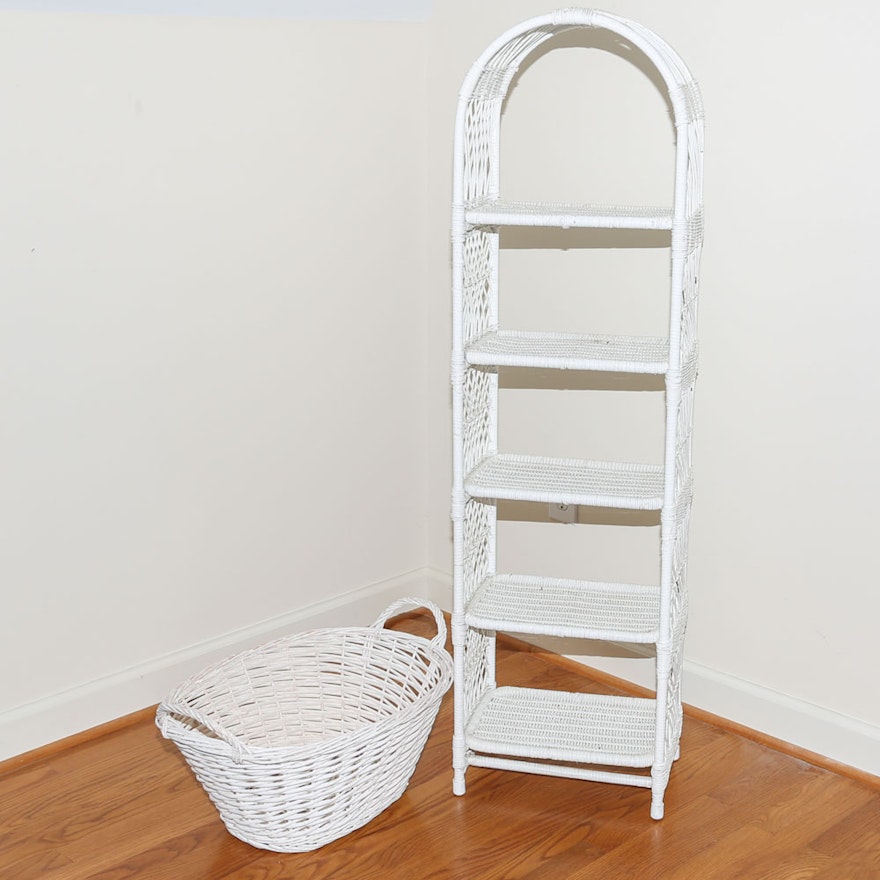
(125, 805)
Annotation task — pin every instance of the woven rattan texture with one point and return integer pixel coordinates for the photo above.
(496, 212)
(567, 608)
(570, 481)
(570, 351)
(586, 728)
(304, 739)
(485, 600)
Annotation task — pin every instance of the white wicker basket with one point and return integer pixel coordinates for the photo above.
(309, 737)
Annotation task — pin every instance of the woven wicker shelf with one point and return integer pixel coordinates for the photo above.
(561, 726)
(498, 212)
(570, 351)
(572, 735)
(566, 608)
(567, 481)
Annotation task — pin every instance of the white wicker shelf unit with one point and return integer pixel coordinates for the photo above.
(584, 736)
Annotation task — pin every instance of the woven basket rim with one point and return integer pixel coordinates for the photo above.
(180, 731)
(312, 635)
(305, 637)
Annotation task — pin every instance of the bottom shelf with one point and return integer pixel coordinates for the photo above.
(561, 726)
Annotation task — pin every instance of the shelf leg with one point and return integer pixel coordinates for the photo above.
(459, 765)
(659, 781)
(458, 785)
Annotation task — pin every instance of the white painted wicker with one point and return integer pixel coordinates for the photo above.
(518, 728)
(309, 737)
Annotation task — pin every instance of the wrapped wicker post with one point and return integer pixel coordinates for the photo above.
(302, 740)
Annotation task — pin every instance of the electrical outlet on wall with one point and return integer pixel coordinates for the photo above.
(564, 513)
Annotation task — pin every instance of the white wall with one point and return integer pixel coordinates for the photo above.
(212, 344)
(225, 288)
(783, 576)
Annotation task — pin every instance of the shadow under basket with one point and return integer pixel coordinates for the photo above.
(309, 737)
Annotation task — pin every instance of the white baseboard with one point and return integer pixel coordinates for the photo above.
(834, 735)
(95, 702)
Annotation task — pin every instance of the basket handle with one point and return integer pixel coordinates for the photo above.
(169, 707)
(439, 641)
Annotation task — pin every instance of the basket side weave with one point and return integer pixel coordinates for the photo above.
(308, 738)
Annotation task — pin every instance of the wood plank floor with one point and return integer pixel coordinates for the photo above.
(124, 805)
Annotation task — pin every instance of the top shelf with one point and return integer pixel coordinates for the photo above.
(498, 212)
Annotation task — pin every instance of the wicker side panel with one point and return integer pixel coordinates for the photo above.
(477, 258)
(479, 667)
(679, 615)
(693, 131)
(482, 119)
(478, 439)
(694, 246)
(478, 540)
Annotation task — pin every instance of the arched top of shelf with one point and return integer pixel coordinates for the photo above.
(491, 75)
